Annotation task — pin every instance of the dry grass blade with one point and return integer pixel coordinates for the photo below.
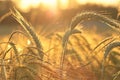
(103, 41)
(3, 69)
(92, 15)
(84, 38)
(14, 48)
(13, 33)
(116, 75)
(15, 51)
(108, 49)
(111, 39)
(27, 28)
(64, 44)
(66, 38)
(5, 53)
(4, 16)
(11, 38)
(67, 34)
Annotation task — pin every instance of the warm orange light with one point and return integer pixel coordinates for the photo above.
(19, 49)
(64, 4)
(28, 42)
(9, 46)
(25, 5)
(49, 2)
(28, 3)
(102, 2)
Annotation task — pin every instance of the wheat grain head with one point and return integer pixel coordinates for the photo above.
(96, 16)
(27, 27)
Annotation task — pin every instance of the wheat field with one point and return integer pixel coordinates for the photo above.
(70, 55)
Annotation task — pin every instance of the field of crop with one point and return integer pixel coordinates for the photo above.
(71, 55)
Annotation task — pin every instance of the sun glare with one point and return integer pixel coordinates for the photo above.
(28, 42)
(26, 5)
(49, 2)
(64, 4)
(102, 2)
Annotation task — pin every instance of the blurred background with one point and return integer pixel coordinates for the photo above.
(55, 15)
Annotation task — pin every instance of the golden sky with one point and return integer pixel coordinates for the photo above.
(63, 4)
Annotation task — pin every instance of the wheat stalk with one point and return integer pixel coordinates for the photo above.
(64, 45)
(27, 27)
(15, 51)
(4, 16)
(15, 32)
(66, 38)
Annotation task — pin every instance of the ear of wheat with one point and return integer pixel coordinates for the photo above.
(107, 51)
(92, 15)
(28, 29)
(83, 17)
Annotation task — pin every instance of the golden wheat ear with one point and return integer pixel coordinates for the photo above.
(107, 51)
(28, 28)
(84, 16)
